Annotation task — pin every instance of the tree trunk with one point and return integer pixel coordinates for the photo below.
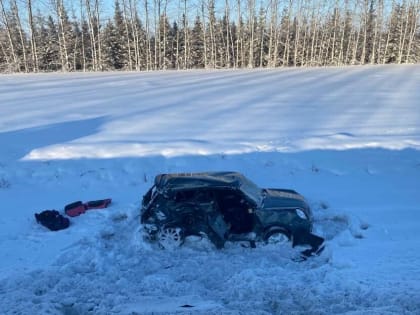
(127, 33)
(314, 39)
(186, 46)
(416, 9)
(98, 25)
(83, 37)
(251, 11)
(21, 36)
(333, 39)
(297, 35)
(34, 53)
(239, 39)
(135, 30)
(65, 62)
(286, 51)
(3, 51)
(227, 61)
(404, 36)
(149, 45)
(92, 36)
(204, 35)
(16, 64)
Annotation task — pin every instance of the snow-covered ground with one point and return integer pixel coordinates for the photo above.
(348, 139)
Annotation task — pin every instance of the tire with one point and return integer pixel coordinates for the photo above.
(277, 235)
(170, 237)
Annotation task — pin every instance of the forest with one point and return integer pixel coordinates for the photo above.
(143, 35)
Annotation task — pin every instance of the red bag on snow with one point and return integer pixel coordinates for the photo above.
(98, 204)
(77, 208)
(74, 209)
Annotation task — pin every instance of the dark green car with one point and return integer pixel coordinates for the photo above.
(225, 206)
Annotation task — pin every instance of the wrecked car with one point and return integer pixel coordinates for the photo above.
(225, 206)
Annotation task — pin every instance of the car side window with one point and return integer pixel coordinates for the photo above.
(184, 196)
(232, 199)
(204, 196)
(194, 196)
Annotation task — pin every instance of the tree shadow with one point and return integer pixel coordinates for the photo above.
(14, 145)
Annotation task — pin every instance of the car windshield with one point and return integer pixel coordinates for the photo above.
(251, 190)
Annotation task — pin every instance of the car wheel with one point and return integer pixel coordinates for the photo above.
(170, 237)
(277, 235)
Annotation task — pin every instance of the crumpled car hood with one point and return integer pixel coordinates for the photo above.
(283, 198)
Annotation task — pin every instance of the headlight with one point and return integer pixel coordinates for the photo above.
(301, 214)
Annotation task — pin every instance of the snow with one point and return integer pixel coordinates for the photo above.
(348, 139)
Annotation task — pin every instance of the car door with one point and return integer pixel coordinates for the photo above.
(198, 213)
(237, 211)
(216, 229)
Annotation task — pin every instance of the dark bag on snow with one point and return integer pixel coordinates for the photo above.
(52, 220)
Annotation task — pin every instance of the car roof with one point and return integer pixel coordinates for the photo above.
(199, 180)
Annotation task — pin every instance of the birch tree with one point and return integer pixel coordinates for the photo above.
(15, 65)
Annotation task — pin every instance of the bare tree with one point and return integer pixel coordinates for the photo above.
(224, 34)
(415, 16)
(403, 33)
(286, 44)
(127, 35)
(10, 37)
(62, 22)
(34, 53)
(261, 35)
(92, 31)
(251, 24)
(186, 37)
(99, 41)
(240, 53)
(228, 33)
(315, 22)
(135, 31)
(148, 37)
(22, 38)
(335, 24)
(205, 46)
(297, 27)
(82, 18)
(212, 30)
(273, 37)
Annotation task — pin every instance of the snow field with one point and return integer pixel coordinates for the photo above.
(345, 138)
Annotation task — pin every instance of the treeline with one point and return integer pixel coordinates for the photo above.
(157, 34)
